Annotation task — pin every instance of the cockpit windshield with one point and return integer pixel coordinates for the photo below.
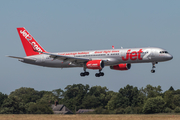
(163, 52)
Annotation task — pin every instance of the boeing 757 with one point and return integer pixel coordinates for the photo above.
(116, 59)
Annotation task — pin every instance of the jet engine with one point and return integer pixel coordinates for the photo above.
(125, 66)
(95, 64)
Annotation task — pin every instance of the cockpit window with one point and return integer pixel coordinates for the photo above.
(163, 52)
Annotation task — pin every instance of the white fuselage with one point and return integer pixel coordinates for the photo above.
(110, 57)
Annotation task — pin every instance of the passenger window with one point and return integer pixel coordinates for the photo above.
(163, 52)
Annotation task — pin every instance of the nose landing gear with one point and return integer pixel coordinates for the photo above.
(152, 71)
(153, 67)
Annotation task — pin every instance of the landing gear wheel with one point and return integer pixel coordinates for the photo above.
(152, 71)
(86, 73)
(101, 74)
(97, 75)
(82, 74)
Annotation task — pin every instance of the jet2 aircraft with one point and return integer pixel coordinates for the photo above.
(117, 59)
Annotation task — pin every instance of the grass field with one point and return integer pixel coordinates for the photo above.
(90, 117)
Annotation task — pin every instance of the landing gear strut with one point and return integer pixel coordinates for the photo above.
(84, 73)
(153, 67)
(99, 74)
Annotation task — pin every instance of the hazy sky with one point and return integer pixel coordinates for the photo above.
(68, 25)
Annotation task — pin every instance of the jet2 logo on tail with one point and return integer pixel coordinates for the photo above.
(29, 38)
(26, 35)
(132, 55)
(36, 47)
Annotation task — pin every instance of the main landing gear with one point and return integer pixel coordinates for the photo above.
(99, 74)
(84, 73)
(153, 67)
(87, 73)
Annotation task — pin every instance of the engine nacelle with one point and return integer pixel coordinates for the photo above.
(121, 67)
(95, 64)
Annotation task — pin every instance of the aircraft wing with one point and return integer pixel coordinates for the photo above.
(67, 58)
(21, 58)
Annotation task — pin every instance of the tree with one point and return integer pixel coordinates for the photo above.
(59, 93)
(36, 108)
(176, 100)
(168, 95)
(99, 94)
(100, 110)
(2, 98)
(154, 105)
(177, 91)
(171, 88)
(177, 110)
(13, 105)
(47, 98)
(26, 95)
(27, 100)
(74, 95)
(149, 91)
(90, 101)
(127, 96)
(111, 105)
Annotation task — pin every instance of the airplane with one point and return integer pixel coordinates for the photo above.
(117, 59)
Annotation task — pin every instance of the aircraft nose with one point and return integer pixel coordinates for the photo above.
(170, 57)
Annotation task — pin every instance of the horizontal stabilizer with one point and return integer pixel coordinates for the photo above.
(21, 58)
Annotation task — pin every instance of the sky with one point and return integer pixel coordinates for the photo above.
(68, 25)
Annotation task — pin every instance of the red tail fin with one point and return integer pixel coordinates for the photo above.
(31, 46)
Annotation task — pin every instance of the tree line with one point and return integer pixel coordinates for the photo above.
(128, 100)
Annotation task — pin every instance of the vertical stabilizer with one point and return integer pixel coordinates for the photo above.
(31, 46)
